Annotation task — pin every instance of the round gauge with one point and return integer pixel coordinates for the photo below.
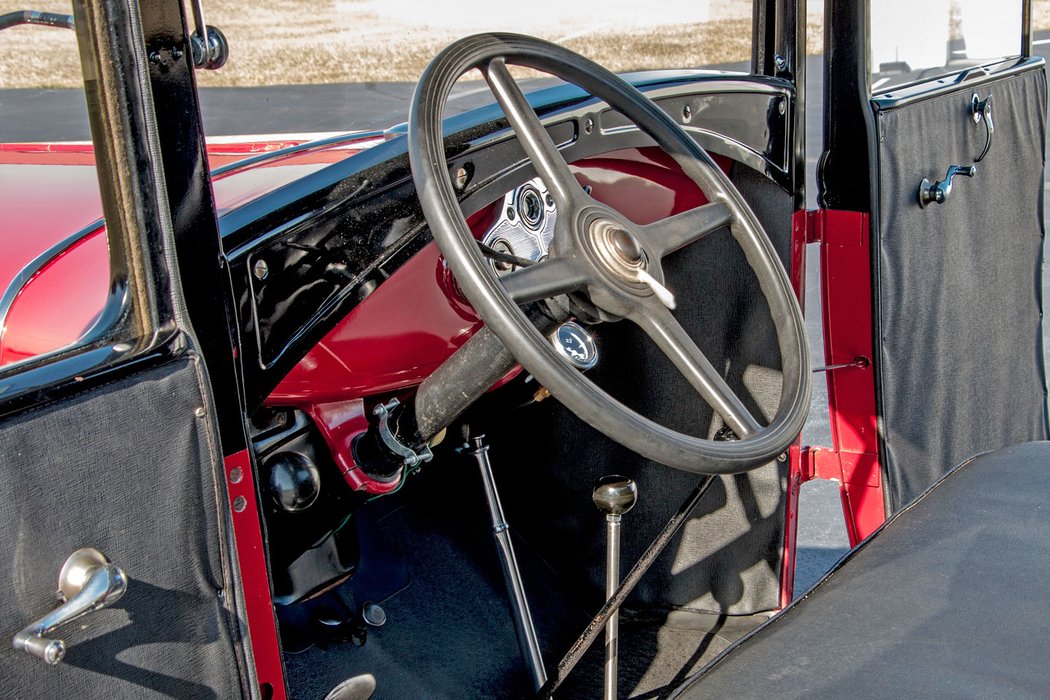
(530, 207)
(575, 344)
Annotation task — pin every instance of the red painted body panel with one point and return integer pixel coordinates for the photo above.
(392, 340)
(255, 578)
(845, 261)
(799, 237)
(30, 177)
(416, 319)
(60, 304)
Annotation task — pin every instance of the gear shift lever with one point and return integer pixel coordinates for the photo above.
(614, 495)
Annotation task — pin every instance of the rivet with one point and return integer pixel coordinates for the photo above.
(236, 475)
(261, 269)
(199, 411)
(781, 106)
(240, 503)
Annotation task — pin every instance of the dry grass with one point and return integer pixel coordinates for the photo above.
(277, 43)
(295, 42)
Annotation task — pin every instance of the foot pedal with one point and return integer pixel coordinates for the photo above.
(357, 688)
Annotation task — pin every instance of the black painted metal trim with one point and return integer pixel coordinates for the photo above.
(844, 173)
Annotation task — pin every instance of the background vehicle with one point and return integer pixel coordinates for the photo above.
(220, 419)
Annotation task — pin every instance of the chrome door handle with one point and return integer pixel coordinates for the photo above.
(938, 192)
(88, 582)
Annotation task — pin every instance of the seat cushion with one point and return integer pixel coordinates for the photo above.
(948, 599)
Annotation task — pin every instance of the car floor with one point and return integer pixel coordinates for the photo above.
(428, 558)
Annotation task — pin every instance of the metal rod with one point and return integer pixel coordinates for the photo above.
(612, 581)
(523, 625)
(42, 19)
(860, 362)
(580, 647)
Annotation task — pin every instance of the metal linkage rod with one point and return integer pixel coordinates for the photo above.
(594, 629)
(523, 625)
(614, 495)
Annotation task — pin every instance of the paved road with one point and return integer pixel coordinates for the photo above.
(53, 115)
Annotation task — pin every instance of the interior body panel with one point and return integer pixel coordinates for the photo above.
(958, 280)
(175, 632)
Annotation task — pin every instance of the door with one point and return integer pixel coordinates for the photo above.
(111, 448)
(936, 129)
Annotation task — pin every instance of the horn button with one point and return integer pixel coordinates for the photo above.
(619, 252)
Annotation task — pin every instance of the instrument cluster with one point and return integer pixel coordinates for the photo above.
(525, 225)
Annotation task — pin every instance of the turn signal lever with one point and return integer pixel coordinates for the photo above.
(88, 582)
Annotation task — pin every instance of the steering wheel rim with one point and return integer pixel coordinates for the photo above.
(602, 243)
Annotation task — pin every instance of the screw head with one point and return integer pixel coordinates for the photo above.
(687, 113)
(239, 504)
(260, 269)
(236, 475)
(588, 126)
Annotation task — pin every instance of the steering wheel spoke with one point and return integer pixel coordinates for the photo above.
(676, 232)
(668, 334)
(545, 156)
(545, 279)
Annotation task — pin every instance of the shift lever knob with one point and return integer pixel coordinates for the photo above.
(615, 494)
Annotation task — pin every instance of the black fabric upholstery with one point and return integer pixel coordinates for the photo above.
(958, 302)
(947, 600)
(127, 469)
(728, 562)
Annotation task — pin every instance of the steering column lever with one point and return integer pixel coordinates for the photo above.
(614, 495)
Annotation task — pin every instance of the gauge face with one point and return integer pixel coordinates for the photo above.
(575, 344)
(530, 207)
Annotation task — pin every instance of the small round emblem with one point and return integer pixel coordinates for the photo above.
(575, 344)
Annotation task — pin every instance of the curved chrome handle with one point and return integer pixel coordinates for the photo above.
(88, 582)
(981, 111)
(938, 192)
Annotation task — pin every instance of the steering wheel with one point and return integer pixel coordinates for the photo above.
(615, 264)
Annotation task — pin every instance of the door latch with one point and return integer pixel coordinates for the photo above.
(88, 582)
(981, 112)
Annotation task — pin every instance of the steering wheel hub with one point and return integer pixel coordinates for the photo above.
(618, 250)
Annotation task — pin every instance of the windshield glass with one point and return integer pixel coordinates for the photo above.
(920, 41)
(339, 65)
